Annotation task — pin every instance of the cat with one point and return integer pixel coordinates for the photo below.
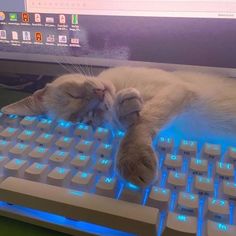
(141, 100)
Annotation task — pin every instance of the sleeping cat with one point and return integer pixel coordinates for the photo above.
(141, 100)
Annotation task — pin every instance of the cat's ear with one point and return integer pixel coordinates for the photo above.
(29, 106)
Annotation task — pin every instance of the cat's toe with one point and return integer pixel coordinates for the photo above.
(137, 165)
(128, 104)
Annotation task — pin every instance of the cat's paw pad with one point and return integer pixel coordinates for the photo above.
(137, 164)
(128, 105)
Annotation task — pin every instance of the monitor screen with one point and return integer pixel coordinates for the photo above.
(104, 31)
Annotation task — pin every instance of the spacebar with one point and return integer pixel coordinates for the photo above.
(116, 214)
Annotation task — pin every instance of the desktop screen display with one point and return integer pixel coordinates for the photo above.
(137, 30)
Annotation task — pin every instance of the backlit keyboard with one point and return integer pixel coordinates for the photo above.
(61, 175)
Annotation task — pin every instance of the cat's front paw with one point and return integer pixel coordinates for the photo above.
(137, 164)
(127, 106)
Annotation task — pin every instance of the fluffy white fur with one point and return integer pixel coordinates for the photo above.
(142, 100)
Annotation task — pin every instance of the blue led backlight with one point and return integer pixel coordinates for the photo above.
(47, 136)
(233, 149)
(61, 153)
(108, 180)
(198, 162)
(41, 149)
(11, 130)
(21, 146)
(84, 175)
(222, 227)
(76, 193)
(38, 166)
(3, 142)
(132, 186)
(182, 218)
(176, 175)
(13, 117)
(173, 157)
(82, 157)
(82, 126)
(61, 170)
(29, 118)
(64, 124)
(104, 162)
(28, 132)
(46, 121)
(18, 162)
(107, 146)
(85, 142)
(121, 134)
(66, 139)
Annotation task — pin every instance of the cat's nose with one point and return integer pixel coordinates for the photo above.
(99, 93)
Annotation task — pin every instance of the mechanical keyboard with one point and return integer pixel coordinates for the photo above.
(61, 175)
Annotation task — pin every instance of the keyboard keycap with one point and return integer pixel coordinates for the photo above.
(225, 169)
(106, 186)
(82, 179)
(173, 161)
(59, 157)
(177, 179)
(220, 229)
(104, 150)
(9, 133)
(188, 147)
(142, 220)
(45, 139)
(182, 223)
(229, 189)
(212, 150)
(102, 134)
(199, 166)
(27, 135)
(85, 147)
(232, 154)
(64, 142)
(12, 119)
(204, 184)
(159, 198)
(83, 131)
(63, 127)
(81, 161)
(4, 146)
(39, 153)
(131, 193)
(36, 172)
(28, 121)
(45, 124)
(165, 144)
(218, 206)
(103, 165)
(15, 167)
(20, 150)
(58, 176)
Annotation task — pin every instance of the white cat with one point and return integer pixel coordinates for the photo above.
(142, 100)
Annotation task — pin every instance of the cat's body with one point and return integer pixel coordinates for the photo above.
(143, 100)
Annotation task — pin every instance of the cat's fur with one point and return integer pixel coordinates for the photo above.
(140, 99)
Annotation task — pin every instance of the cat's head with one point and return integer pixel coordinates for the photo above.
(69, 97)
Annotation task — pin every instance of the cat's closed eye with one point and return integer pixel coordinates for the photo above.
(74, 96)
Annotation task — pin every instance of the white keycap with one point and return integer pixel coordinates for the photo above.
(188, 147)
(4, 145)
(15, 167)
(182, 223)
(159, 198)
(3, 160)
(229, 189)
(204, 184)
(103, 165)
(59, 157)
(218, 206)
(106, 186)
(189, 201)
(12, 119)
(27, 135)
(39, 153)
(58, 176)
(199, 166)
(28, 121)
(225, 169)
(36, 171)
(212, 150)
(104, 150)
(45, 124)
(64, 142)
(20, 150)
(9, 133)
(232, 154)
(177, 179)
(220, 229)
(142, 220)
(45, 139)
(165, 144)
(63, 127)
(85, 146)
(102, 134)
(173, 161)
(83, 131)
(82, 179)
(131, 193)
(81, 161)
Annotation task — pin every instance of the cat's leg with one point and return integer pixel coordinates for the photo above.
(136, 160)
(128, 105)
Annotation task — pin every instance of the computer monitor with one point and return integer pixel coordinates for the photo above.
(118, 32)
